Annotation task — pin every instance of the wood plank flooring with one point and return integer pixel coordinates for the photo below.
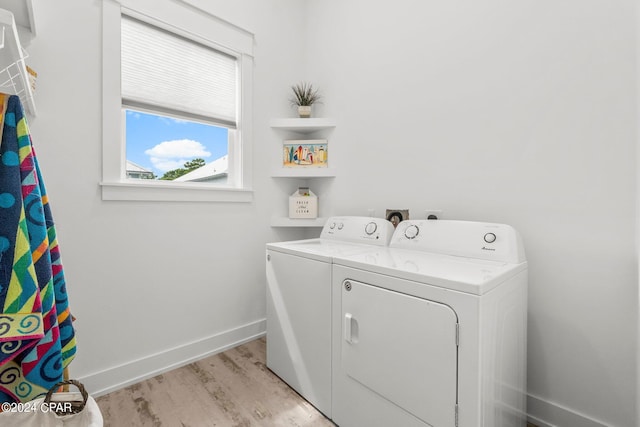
(230, 389)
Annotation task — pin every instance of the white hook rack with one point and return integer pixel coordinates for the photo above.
(14, 78)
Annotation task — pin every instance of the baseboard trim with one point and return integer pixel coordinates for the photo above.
(117, 377)
(544, 413)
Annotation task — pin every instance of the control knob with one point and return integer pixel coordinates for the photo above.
(489, 237)
(370, 228)
(411, 232)
(340, 226)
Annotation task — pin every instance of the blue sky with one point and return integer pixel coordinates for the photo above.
(161, 143)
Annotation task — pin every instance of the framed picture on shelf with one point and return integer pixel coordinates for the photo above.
(305, 153)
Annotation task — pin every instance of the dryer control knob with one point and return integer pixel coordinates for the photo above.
(340, 226)
(333, 225)
(411, 232)
(370, 228)
(489, 237)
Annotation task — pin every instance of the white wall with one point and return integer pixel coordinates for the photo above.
(153, 284)
(516, 112)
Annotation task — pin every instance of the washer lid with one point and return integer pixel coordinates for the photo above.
(469, 275)
(341, 236)
(319, 249)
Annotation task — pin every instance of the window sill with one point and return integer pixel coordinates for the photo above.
(174, 192)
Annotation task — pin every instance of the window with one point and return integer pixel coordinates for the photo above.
(175, 149)
(179, 125)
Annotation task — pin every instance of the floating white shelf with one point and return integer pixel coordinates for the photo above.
(308, 125)
(14, 78)
(289, 222)
(304, 173)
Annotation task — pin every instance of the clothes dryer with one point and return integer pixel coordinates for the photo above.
(431, 331)
(299, 302)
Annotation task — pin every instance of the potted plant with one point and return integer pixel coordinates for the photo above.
(304, 96)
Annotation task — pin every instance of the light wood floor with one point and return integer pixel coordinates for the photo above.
(230, 389)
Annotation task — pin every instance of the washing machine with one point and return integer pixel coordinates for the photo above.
(299, 302)
(432, 330)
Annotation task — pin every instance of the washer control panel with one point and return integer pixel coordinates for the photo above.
(358, 229)
(481, 240)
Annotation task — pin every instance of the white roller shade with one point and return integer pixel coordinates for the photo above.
(164, 70)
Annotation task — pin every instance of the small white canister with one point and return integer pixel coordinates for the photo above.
(303, 204)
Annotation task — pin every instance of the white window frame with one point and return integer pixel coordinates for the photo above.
(199, 26)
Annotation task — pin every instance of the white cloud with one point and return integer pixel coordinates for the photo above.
(169, 155)
(180, 148)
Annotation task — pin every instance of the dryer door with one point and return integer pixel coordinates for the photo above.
(403, 348)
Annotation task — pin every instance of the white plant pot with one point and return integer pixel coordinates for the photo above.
(304, 111)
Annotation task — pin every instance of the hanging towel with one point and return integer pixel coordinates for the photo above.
(37, 340)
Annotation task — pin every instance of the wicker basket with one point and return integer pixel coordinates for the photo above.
(75, 405)
(57, 409)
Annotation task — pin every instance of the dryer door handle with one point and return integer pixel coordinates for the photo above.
(348, 319)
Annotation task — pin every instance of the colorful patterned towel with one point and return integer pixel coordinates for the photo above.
(37, 340)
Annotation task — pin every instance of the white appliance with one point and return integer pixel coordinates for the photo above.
(431, 331)
(299, 302)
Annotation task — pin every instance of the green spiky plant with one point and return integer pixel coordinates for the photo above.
(304, 94)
